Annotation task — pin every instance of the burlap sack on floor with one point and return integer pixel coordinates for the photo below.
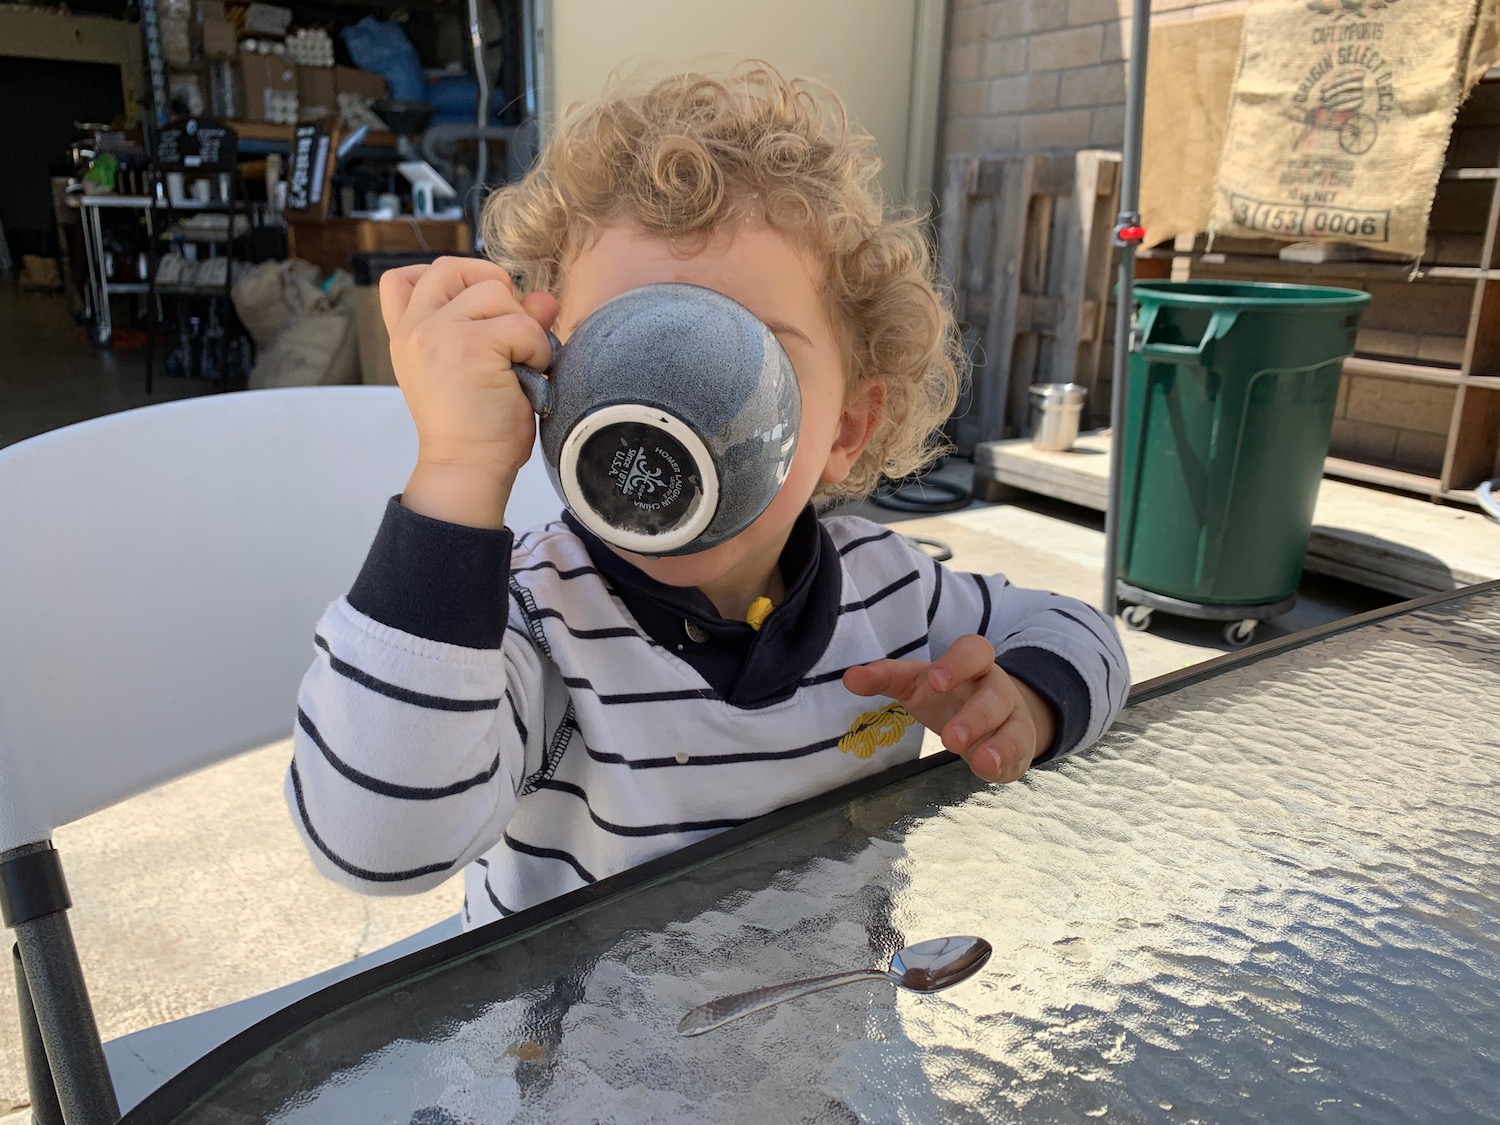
(315, 344)
(39, 275)
(1340, 120)
(272, 295)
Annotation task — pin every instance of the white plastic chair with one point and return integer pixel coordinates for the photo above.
(161, 572)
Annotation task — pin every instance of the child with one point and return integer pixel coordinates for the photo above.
(545, 710)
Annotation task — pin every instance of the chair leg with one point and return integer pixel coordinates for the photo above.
(70, 1034)
(44, 1107)
(34, 904)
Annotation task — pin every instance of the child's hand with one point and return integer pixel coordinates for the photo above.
(994, 722)
(456, 328)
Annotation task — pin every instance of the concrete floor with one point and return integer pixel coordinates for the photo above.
(199, 893)
(51, 376)
(1059, 546)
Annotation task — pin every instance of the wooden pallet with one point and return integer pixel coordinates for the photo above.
(1026, 244)
(1398, 544)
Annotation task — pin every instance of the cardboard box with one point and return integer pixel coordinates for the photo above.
(267, 19)
(348, 80)
(211, 10)
(269, 71)
(317, 92)
(220, 40)
(265, 82)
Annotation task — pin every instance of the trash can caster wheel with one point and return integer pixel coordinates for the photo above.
(1137, 617)
(1240, 633)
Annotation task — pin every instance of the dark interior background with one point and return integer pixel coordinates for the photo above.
(42, 99)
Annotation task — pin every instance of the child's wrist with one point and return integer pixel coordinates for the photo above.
(1043, 718)
(457, 492)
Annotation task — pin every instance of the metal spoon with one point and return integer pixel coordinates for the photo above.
(928, 966)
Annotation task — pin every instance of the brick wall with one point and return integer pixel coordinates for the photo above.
(1392, 422)
(1044, 74)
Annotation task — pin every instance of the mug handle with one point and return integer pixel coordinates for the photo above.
(536, 386)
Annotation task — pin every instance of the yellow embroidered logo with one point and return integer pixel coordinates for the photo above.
(875, 729)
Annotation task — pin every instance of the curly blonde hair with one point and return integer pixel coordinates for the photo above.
(692, 153)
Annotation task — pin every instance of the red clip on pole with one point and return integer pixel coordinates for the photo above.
(1130, 234)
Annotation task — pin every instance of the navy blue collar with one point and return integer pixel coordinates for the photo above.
(744, 667)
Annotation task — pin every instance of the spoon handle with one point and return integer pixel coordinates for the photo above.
(716, 1013)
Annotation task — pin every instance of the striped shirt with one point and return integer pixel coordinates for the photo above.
(581, 732)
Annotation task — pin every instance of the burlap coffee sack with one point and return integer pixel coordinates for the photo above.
(1189, 78)
(1340, 119)
(1484, 47)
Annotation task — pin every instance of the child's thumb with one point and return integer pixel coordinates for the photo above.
(543, 307)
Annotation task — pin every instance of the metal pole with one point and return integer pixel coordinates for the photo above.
(531, 56)
(1127, 236)
(161, 105)
(481, 121)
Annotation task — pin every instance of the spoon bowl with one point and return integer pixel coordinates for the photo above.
(939, 963)
(927, 966)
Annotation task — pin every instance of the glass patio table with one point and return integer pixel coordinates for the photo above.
(1272, 892)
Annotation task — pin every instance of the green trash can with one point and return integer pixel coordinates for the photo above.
(1230, 404)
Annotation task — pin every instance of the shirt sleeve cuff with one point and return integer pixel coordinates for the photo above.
(1061, 685)
(435, 580)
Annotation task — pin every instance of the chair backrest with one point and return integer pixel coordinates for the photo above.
(161, 572)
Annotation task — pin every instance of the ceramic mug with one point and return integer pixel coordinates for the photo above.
(668, 420)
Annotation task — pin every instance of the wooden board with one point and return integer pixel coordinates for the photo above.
(1401, 545)
(266, 131)
(1026, 245)
(331, 244)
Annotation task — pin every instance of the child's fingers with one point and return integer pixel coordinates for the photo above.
(484, 300)
(512, 339)
(898, 679)
(446, 278)
(967, 658)
(487, 300)
(1004, 755)
(522, 341)
(396, 288)
(984, 711)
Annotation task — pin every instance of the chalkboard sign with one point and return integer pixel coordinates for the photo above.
(310, 170)
(197, 144)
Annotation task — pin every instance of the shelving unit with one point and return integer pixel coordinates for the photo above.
(261, 137)
(1419, 407)
(100, 287)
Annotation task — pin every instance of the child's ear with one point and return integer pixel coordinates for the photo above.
(862, 413)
